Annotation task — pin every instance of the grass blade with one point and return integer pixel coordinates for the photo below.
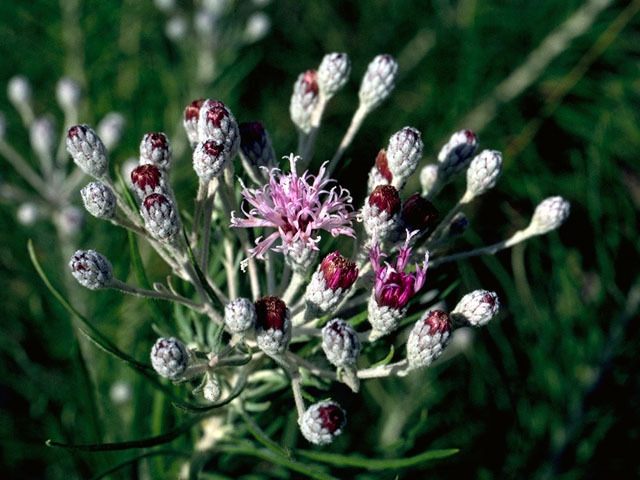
(374, 463)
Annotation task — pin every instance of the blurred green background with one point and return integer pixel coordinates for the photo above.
(550, 389)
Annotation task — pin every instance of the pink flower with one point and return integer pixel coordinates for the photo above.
(298, 207)
(394, 288)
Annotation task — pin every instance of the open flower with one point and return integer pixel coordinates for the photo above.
(394, 288)
(298, 207)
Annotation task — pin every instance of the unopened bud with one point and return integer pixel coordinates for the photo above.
(99, 200)
(217, 123)
(403, 155)
(155, 150)
(211, 390)
(19, 91)
(170, 358)
(428, 338)
(418, 213)
(27, 214)
(328, 284)
(255, 145)
(333, 73)
(549, 215)
(110, 129)
(258, 25)
(428, 178)
(68, 94)
(91, 269)
(456, 154)
(210, 159)
(240, 315)
(88, 151)
(70, 220)
(273, 329)
(160, 217)
(483, 172)
(384, 319)
(304, 100)
(378, 81)
(147, 179)
(190, 121)
(380, 214)
(42, 135)
(476, 308)
(380, 173)
(301, 257)
(340, 343)
(322, 422)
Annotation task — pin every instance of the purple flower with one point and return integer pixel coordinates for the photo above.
(298, 207)
(394, 288)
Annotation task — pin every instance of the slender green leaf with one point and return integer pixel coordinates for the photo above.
(137, 458)
(237, 390)
(386, 359)
(375, 463)
(125, 191)
(263, 438)
(201, 276)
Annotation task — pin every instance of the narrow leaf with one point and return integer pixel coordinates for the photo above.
(374, 463)
(137, 458)
(386, 359)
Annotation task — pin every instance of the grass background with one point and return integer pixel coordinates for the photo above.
(548, 390)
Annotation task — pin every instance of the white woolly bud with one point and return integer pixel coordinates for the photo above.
(217, 123)
(476, 308)
(428, 178)
(340, 343)
(170, 358)
(110, 129)
(240, 315)
(210, 159)
(304, 100)
(383, 319)
(211, 390)
(176, 28)
(88, 151)
(428, 338)
(128, 166)
(322, 422)
(403, 155)
(160, 217)
(68, 94)
(549, 215)
(19, 91)
(27, 214)
(483, 172)
(91, 269)
(333, 73)
(42, 135)
(379, 224)
(99, 200)
(257, 27)
(156, 150)
(456, 154)
(70, 220)
(378, 81)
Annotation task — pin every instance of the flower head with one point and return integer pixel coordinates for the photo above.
(298, 207)
(394, 288)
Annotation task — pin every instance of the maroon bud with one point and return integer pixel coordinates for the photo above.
(155, 199)
(438, 322)
(338, 271)
(386, 198)
(331, 417)
(76, 130)
(418, 213)
(251, 133)
(193, 110)
(213, 148)
(216, 112)
(383, 166)
(146, 176)
(310, 81)
(271, 313)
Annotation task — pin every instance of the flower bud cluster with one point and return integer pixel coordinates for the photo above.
(381, 212)
(170, 358)
(273, 325)
(155, 150)
(378, 81)
(99, 200)
(91, 269)
(549, 215)
(88, 151)
(304, 100)
(329, 284)
(333, 73)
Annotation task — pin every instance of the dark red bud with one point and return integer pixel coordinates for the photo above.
(310, 81)
(76, 130)
(213, 148)
(154, 199)
(158, 140)
(418, 213)
(331, 417)
(386, 198)
(471, 137)
(437, 321)
(271, 313)
(146, 175)
(383, 166)
(193, 110)
(216, 112)
(338, 271)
